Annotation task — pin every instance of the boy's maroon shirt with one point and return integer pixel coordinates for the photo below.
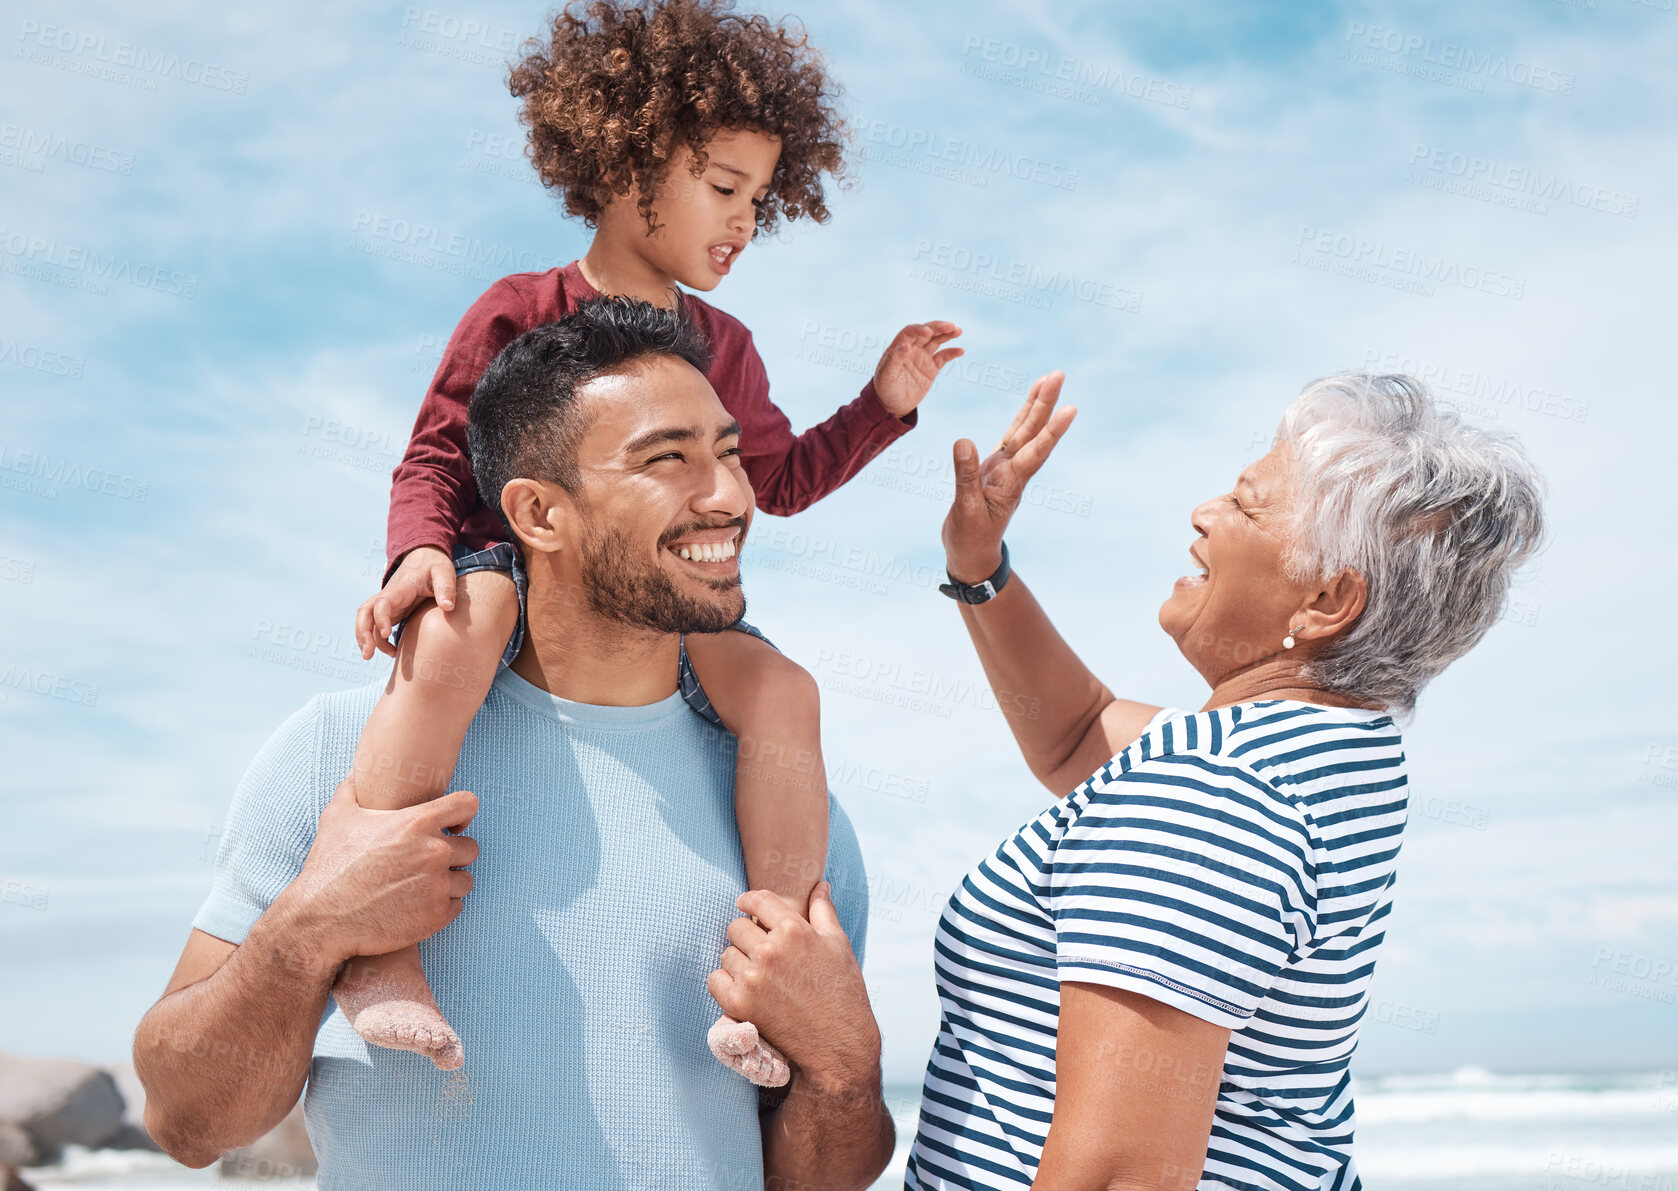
(434, 500)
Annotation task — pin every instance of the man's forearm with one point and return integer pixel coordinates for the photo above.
(224, 1059)
(828, 1137)
(1048, 696)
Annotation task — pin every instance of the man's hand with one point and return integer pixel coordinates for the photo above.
(374, 881)
(799, 983)
(425, 572)
(377, 881)
(911, 362)
(987, 494)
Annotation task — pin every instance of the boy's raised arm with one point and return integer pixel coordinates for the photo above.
(790, 472)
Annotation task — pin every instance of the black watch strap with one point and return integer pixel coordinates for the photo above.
(979, 593)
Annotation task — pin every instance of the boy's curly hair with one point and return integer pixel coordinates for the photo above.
(620, 84)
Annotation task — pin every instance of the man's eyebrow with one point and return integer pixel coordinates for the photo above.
(670, 434)
(656, 438)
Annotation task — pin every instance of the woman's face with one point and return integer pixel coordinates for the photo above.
(1235, 611)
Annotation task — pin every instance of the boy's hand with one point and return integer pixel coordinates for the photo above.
(425, 572)
(911, 362)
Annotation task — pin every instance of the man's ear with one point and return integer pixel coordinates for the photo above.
(1332, 610)
(541, 513)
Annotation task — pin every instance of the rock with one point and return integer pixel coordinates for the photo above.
(132, 1137)
(59, 1102)
(132, 1134)
(16, 1146)
(10, 1180)
(283, 1152)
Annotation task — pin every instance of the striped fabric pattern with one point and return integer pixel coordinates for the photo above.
(1236, 864)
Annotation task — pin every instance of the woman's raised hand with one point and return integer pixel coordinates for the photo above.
(988, 493)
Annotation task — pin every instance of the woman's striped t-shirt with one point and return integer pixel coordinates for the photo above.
(1236, 864)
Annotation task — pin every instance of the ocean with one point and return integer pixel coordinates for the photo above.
(1468, 1130)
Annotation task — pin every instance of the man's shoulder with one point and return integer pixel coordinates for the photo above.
(328, 723)
(330, 711)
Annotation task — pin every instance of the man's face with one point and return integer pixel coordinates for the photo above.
(663, 501)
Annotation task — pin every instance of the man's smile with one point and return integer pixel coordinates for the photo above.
(712, 549)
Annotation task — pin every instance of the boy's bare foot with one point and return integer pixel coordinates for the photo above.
(738, 1046)
(386, 1000)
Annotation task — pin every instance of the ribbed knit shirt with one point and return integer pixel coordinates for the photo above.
(575, 974)
(434, 500)
(1235, 864)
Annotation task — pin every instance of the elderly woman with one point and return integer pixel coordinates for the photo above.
(1157, 982)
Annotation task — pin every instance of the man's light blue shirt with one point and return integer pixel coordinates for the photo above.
(575, 974)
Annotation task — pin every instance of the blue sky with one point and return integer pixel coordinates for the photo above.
(218, 316)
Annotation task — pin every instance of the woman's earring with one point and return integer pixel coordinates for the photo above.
(1288, 641)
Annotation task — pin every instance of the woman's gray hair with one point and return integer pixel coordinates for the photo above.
(1435, 515)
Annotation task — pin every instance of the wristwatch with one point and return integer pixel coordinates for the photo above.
(978, 593)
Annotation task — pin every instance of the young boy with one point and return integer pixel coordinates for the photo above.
(677, 130)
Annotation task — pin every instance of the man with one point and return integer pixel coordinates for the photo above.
(577, 962)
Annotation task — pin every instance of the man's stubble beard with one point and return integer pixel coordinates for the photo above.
(621, 587)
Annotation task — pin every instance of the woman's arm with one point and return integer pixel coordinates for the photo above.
(1066, 721)
(1135, 1086)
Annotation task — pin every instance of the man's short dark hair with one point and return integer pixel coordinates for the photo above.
(524, 420)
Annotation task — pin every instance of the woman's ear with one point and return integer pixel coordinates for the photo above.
(540, 512)
(1333, 609)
